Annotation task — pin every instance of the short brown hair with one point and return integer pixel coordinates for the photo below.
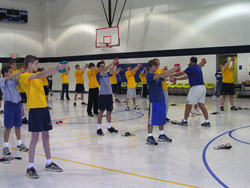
(151, 63)
(11, 61)
(29, 59)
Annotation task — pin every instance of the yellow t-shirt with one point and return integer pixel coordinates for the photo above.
(164, 84)
(19, 88)
(64, 77)
(92, 79)
(79, 77)
(45, 81)
(113, 79)
(34, 91)
(143, 79)
(227, 75)
(130, 75)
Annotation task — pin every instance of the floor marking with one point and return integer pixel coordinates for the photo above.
(113, 170)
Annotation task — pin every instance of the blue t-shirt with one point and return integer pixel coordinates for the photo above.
(104, 82)
(119, 77)
(10, 92)
(155, 89)
(218, 76)
(195, 76)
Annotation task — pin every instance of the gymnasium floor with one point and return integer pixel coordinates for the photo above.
(114, 161)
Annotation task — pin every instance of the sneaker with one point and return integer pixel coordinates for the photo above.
(1, 111)
(136, 108)
(151, 141)
(164, 138)
(127, 108)
(51, 94)
(74, 103)
(214, 96)
(31, 173)
(167, 119)
(234, 108)
(90, 115)
(222, 108)
(99, 132)
(22, 147)
(25, 121)
(49, 108)
(6, 151)
(183, 123)
(61, 99)
(84, 103)
(117, 100)
(206, 124)
(53, 167)
(68, 99)
(112, 130)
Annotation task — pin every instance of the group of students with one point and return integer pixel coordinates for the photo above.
(30, 79)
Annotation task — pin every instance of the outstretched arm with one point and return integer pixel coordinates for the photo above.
(136, 68)
(166, 73)
(15, 76)
(108, 67)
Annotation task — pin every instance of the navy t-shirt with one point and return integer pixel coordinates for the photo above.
(155, 88)
(195, 76)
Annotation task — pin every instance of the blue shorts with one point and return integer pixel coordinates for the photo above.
(105, 102)
(39, 120)
(12, 115)
(157, 113)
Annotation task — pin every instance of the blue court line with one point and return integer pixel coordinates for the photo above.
(230, 134)
(205, 160)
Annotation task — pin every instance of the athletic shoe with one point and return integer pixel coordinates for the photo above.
(84, 103)
(151, 141)
(49, 108)
(136, 108)
(51, 94)
(90, 115)
(167, 119)
(1, 111)
(6, 151)
(214, 96)
(112, 130)
(68, 99)
(61, 99)
(127, 108)
(164, 138)
(234, 108)
(99, 132)
(74, 103)
(117, 100)
(25, 121)
(183, 123)
(31, 173)
(22, 147)
(222, 108)
(53, 167)
(206, 124)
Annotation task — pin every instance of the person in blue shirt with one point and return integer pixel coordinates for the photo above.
(157, 107)
(197, 92)
(12, 108)
(218, 76)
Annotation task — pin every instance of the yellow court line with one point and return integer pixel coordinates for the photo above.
(117, 171)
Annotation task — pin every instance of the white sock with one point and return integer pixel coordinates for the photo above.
(162, 132)
(184, 120)
(98, 126)
(5, 144)
(48, 161)
(109, 125)
(207, 121)
(31, 165)
(19, 142)
(23, 117)
(150, 134)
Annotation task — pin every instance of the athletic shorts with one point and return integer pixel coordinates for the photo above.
(12, 115)
(131, 93)
(197, 94)
(39, 120)
(114, 88)
(80, 88)
(23, 98)
(227, 89)
(1, 95)
(105, 102)
(157, 113)
(46, 90)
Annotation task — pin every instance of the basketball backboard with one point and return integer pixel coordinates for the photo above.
(107, 37)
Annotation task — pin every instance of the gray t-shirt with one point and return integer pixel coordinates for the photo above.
(9, 90)
(104, 82)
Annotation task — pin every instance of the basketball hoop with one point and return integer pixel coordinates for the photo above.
(107, 37)
(104, 45)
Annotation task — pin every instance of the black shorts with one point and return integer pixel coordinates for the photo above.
(105, 103)
(46, 90)
(1, 95)
(227, 89)
(114, 88)
(39, 120)
(23, 98)
(80, 88)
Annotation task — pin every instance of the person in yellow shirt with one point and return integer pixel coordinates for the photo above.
(143, 77)
(131, 85)
(45, 85)
(113, 81)
(39, 116)
(79, 83)
(93, 90)
(228, 83)
(65, 84)
(13, 67)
